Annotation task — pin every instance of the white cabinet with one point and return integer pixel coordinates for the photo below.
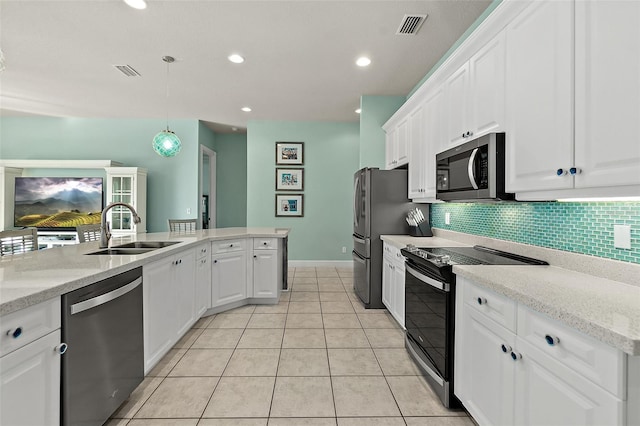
(203, 279)
(417, 154)
(228, 272)
(397, 146)
(169, 303)
(607, 85)
(530, 370)
(393, 282)
(267, 268)
(475, 95)
(539, 96)
(30, 383)
(127, 185)
(30, 365)
(602, 158)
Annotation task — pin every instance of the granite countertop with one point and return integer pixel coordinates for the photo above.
(603, 308)
(33, 277)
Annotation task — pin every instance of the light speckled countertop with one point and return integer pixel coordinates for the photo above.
(606, 309)
(30, 278)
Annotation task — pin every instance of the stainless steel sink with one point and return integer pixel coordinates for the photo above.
(147, 244)
(125, 251)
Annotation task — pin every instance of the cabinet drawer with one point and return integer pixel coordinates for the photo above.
(393, 254)
(227, 246)
(265, 243)
(29, 324)
(497, 307)
(596, 361)
(203, 250)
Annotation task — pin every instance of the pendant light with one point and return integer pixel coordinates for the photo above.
(166, 143)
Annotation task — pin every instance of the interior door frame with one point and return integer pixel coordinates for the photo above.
(204, 151)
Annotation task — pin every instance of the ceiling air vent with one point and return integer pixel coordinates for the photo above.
(127, 70)
(411, 24)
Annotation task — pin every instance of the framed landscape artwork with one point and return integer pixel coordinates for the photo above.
(289, 205)
(289, 153)
(289, 179)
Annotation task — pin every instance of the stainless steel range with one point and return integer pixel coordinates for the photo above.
(429, 306)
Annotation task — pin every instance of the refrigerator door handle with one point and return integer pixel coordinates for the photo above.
(359, 240)
(356, 204)
(358, 258)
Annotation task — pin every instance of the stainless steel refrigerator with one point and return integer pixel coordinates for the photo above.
(380, 206)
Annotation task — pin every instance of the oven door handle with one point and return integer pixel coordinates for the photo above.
(427, 280)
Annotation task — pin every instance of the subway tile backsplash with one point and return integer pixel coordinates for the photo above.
(578, 227)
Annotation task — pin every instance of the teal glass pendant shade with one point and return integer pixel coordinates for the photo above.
(166, 143)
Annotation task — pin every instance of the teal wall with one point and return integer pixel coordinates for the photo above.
(375, 111)
(585, 228)
(172, 184)
(331, 156)
(231, 179)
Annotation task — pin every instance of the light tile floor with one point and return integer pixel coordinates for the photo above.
(316, 358)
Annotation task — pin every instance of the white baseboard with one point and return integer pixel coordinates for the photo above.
(320, 263)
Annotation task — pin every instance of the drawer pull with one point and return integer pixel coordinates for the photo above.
(61, 348)
(230, 245)
(551, 340)
(516, 356)
(15, 332)
(264, 243)
(482, 301)
(506, 348)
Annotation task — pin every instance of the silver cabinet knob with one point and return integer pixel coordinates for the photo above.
(516, 356)
(15, 332)
(551, 340)
(61, 348)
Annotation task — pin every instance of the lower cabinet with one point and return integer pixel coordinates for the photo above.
(203, 279)
(30, 383)
(267, 268)
(536, 373)
(393, 282)
(228, 277)
(169, 303)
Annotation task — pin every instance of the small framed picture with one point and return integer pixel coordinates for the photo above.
(289, 153)
(289, 179)
(289, 205)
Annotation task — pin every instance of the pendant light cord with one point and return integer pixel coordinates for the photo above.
(168, 60)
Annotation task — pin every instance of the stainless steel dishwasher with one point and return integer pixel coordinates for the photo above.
(104, 363)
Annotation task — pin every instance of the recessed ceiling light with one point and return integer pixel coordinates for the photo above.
(235, 58)
(363, 61)
(235, 129)
(246, 109)
(136, 4)
(358, 111)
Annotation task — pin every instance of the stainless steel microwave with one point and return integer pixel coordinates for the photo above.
(473, 171)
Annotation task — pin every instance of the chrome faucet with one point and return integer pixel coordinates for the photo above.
(105, 229)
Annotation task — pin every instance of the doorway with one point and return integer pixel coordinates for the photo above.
(207, 204)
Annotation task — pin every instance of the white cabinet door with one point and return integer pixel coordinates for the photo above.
(398, 294)
(390, 149)
(434, 139)
(485, 374)
(418, 154)
(456, 90)
(265, 273)
(607, 93)
(159, 310)
(548, 393)
(203, 285)
(487, 88)
(402, 142)
(228, 278)
(30, 384)
(184, 291)
(539, 85)
(387, 283)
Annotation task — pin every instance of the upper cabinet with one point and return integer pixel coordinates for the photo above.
(573, 125)
(397, 146)
(425, 142)
(539, 96)
(475, 95)
(607, 81)
(560, 78)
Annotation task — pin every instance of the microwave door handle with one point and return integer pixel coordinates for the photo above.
(471, 168)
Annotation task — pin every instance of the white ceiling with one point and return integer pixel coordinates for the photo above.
(300, 56)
